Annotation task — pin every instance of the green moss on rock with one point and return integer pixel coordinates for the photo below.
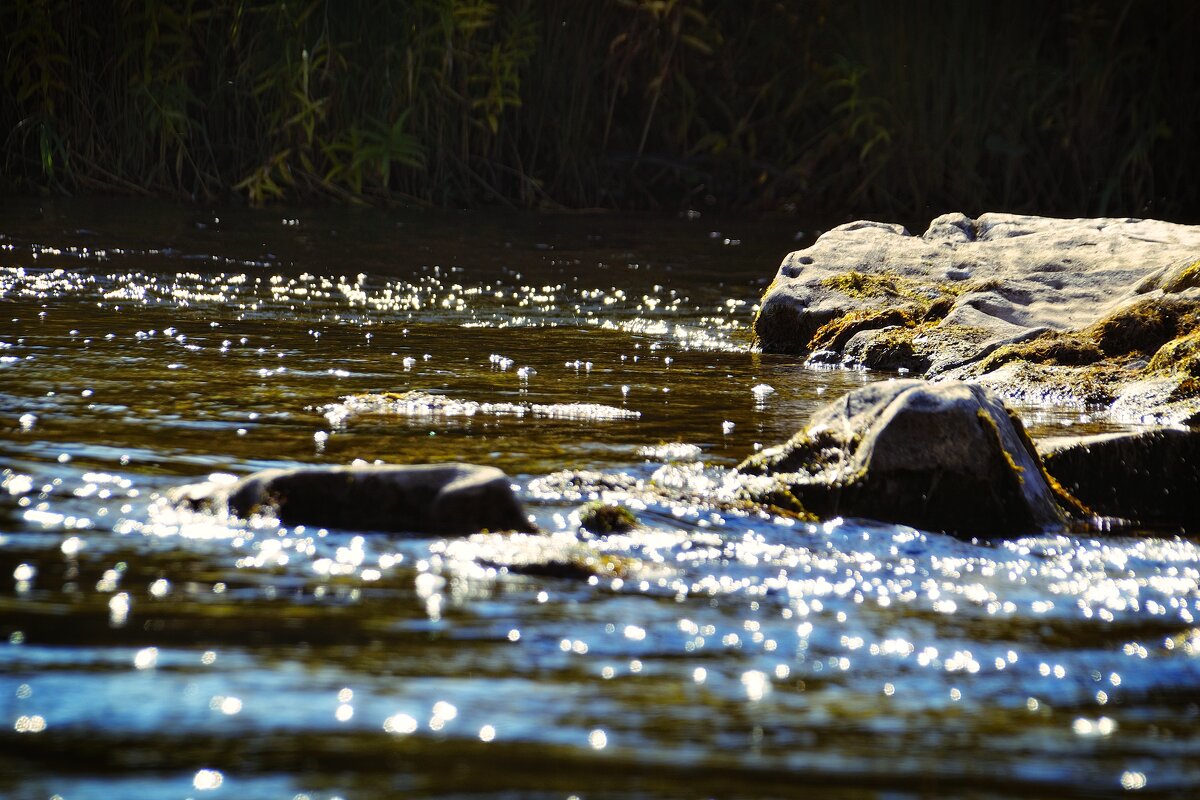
(1188, 389)
(890, 285)
(1186, 278)
(808, 451)
(778, 499)
(894, 349)
(1180, 355)
(1144, 327)
(1070, 503)
(864, 285)
(1065, 349)
(833, 335)
(895, 301)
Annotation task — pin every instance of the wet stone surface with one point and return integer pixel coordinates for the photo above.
(713, 648)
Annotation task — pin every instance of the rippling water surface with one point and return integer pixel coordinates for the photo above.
(712, 651)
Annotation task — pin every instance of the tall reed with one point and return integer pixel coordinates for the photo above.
(903, 109)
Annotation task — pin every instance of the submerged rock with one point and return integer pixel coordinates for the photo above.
(946, 456)
(415, 403)
(572, 555)
(450, 499)
(1148, 476)
(1084, 311)
(601, 517)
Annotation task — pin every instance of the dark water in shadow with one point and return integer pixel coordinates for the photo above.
(712, 652)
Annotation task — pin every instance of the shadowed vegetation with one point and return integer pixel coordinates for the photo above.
(901, 109)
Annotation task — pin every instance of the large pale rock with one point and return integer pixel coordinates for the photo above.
(946, 456)
(1085, 303)
(1148, 476)
(449, 499)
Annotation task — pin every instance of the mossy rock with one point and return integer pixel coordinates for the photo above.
(833, 335)
(918, 304)
(943, 457)
(1145, 326)
(1096, 384)
(772, 495)
(813, 452)
(781, 328)
(1072, 504)
(1052, 347)
(1141, 328)
(600, 517)
(1185, 277)
(889, 349)
(1187, 389)
(1180, 355)
(852, 302)
(868, 285)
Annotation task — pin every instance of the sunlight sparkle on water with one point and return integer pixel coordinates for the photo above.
(226, 705)
(1133, 780)
(208, 779)
(30, 724)
(400, 724)
(757, 685)
(146, 658)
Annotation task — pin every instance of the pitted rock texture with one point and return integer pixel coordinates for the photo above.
(943, 457)
(1085, 311)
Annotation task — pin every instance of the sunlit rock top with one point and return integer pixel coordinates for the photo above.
(1088, 311)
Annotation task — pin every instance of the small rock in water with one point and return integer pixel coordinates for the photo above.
(600, 517)
(447, 499)
(726, 427)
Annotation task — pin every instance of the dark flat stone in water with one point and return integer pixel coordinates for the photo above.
(1152, 476)
(447, 499)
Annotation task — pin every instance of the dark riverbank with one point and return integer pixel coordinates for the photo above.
(855, 110)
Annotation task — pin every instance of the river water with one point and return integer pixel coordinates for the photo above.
(148, 652)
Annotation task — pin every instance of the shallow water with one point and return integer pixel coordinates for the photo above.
(711, 652)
